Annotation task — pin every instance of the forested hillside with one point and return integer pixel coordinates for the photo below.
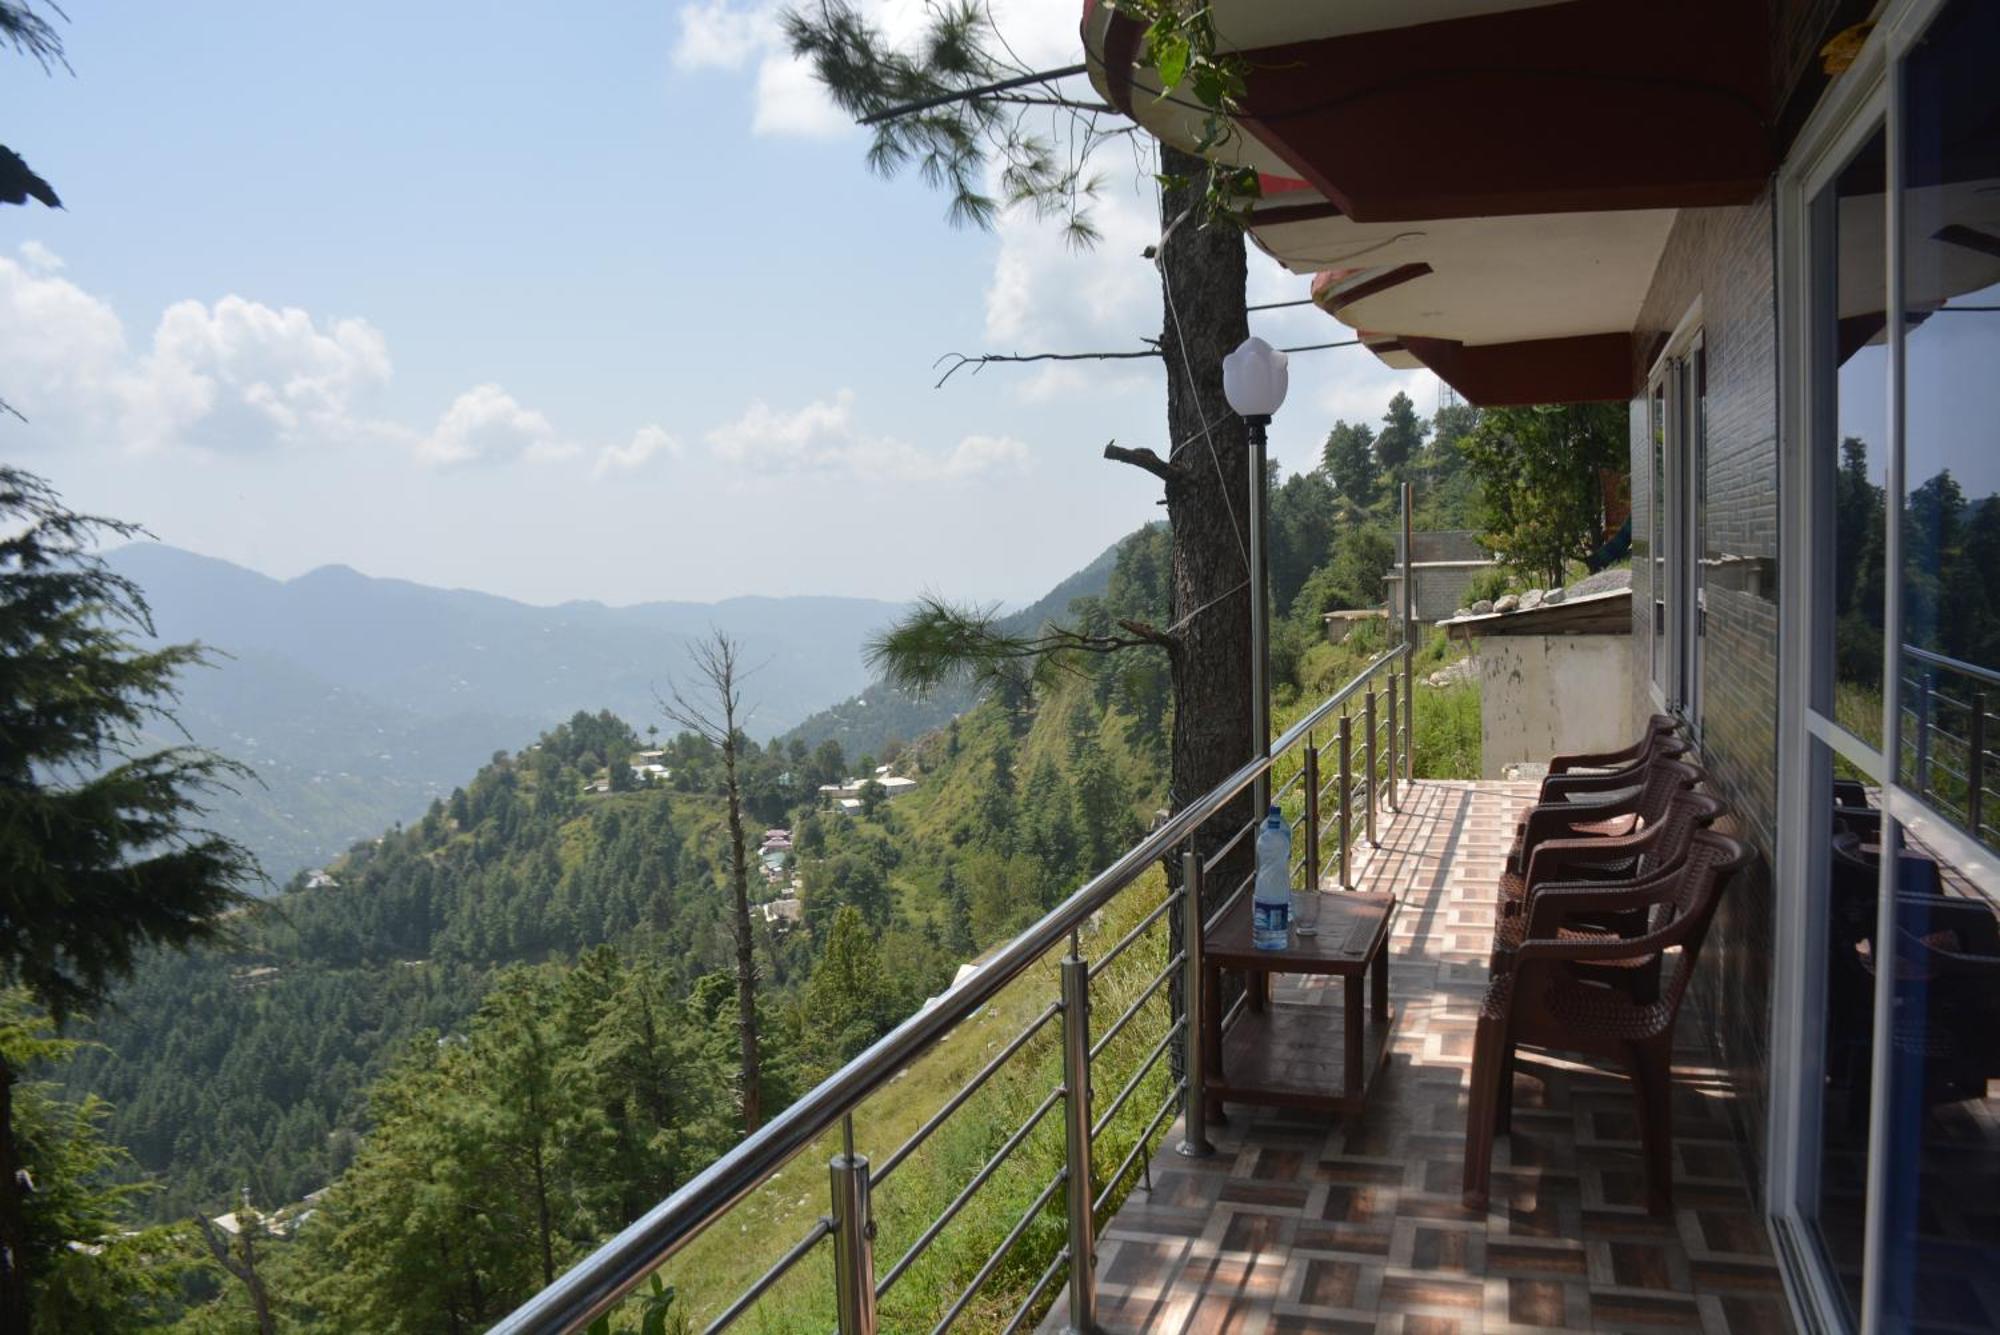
(885, 712)
(494, 1035)
(359, 699)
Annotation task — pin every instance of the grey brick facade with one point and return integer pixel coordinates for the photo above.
(1723, 258)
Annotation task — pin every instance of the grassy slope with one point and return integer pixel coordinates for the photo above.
(733, 1253)
(740, 1247)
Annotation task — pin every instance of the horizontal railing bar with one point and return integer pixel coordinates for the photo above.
(1000, 1253)
(1139, 1076)
(621, 1264)
(748, 1298)
(1035, 1294)
(1229, 902)
(979, 1179)
(1145, 1139)
(1953, 664)
(1215, 858)
(1103, 961)
(958, 1100)
(1159, 980)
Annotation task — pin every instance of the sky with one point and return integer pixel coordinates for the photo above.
(576, 302)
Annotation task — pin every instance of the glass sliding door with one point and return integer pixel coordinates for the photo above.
(1940, 1207)
(1890, 841)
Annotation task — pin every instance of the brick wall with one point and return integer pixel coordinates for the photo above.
(1724, 258)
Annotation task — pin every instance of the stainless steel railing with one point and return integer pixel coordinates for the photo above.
(1948, 731)
(597, 1283)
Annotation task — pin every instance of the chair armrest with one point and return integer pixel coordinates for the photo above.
(1553, 819)
(1579, 859)
(1557, 787)
(1618, 759)
(1550, 907)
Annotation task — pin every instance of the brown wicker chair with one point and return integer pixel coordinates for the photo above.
(1585, 778)
(1658, 847)
(1626, 812)
(1546, 1001)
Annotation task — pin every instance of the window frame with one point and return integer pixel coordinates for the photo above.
(1867, 97)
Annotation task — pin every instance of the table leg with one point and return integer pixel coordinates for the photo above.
(1381, 982)
(1258, 984)
(1351, 1081)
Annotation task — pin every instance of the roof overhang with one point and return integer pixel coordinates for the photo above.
(1538, 107)
(1481, 187)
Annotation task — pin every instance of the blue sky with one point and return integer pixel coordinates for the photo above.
(587, 302)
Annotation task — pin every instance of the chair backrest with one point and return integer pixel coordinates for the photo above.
(1712, 862)
(1666, 779)
(1665, 842)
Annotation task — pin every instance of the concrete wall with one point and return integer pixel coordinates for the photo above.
(1549, 695)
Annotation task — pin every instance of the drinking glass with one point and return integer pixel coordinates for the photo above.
(1305, 911)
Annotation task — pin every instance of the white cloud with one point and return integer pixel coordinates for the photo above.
(488, 425)
(243, 375)
(732, 35)
(719, 35)
(238, 376)
(822, 438)
(40, 258)
(645, 443)
(791, 102)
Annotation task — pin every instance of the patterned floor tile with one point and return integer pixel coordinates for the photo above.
(1357, 1225)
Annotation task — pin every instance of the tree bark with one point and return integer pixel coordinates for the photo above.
(244, 1269)
(1202, 280)
(1204, 318)
(746, 960)
(14, 1305)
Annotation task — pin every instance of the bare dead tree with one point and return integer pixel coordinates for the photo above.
(242, 1260)
(710, 708)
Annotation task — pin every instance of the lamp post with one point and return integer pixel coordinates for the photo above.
(1254, 380)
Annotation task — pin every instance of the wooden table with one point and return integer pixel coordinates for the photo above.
(1283, 1053)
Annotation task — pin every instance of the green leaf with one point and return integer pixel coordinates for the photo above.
(1170, 58)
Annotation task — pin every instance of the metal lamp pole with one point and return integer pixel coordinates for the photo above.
(1254, 380)
(1260, 630)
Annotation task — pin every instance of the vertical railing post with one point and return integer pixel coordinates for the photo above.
(1975, 765)
(1368, 765)
(1409, 632)
(1194, 1116)
(1923, 734)
(1394, 804)
(1076, 1141)
(1310, 779)
(853, 1238)
(1346, 800)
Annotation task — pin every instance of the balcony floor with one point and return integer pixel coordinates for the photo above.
(1304, 1224)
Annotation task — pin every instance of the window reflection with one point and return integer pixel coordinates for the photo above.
(1951, 518)
(1846, 834)
(1941, 1234)
(1851, 451)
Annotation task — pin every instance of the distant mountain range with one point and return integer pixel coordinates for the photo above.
(863, 722)
(359, 699)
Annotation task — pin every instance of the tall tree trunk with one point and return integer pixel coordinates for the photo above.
(746, 960)
(1204, 319)
(543, 1224)
(14, 1306)
(1201, 280)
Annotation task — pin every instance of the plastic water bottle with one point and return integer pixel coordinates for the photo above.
(1271, 899)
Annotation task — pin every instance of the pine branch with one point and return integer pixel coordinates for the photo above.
(1146, 459)
(959, 361)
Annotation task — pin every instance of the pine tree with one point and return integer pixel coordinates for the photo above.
(1401, 437)
(1349, 459)
(101, 850)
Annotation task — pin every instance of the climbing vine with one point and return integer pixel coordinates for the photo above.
(1180, 48)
